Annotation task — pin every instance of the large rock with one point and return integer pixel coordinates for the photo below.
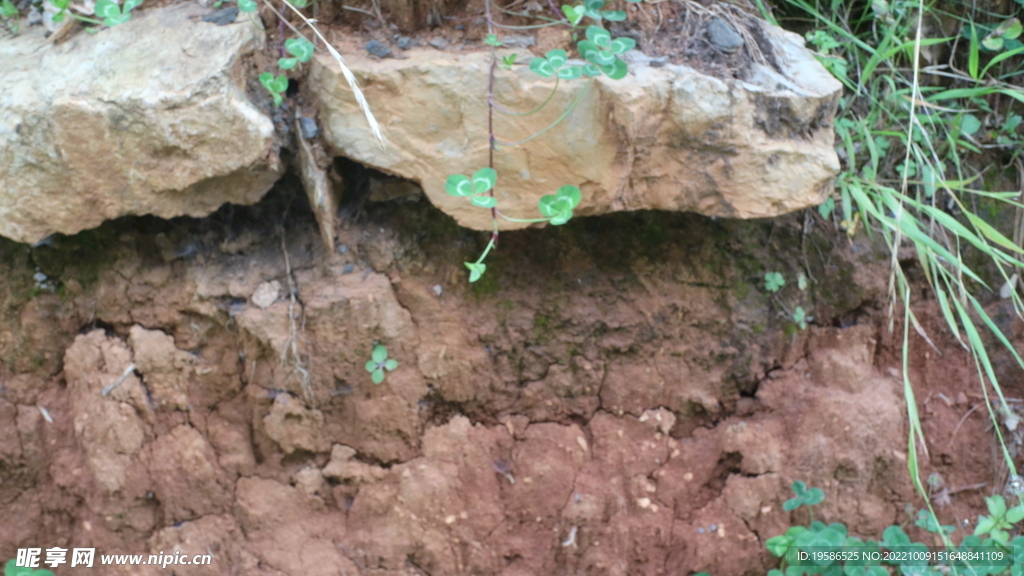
(148, 117)
(666, 138)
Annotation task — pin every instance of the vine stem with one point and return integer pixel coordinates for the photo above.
(490, 120)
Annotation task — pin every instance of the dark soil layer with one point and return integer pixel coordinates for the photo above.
(616, 396)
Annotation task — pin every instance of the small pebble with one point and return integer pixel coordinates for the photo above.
(714, 527)
(723, 36)
(309, 128)
(438, 290)
(378, 49)
(348, 269)
(439, 43)
(405, 42)
(343, 248)
(460, 27)
(700, 530)
(519, 41)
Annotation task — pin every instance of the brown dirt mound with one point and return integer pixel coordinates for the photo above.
(617, 396)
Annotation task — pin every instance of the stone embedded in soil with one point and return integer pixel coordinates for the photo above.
(89, 134)
(723, 36)
(378, 49)
(667, 138)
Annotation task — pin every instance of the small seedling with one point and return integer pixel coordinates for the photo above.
(774, 281)
(276, 85)
(379, 362)
(492, 40)
(826, 208)
(800, 317)
(301, 50)
(10, 569)
(804, 496)
(247, 5)
(1001, 520)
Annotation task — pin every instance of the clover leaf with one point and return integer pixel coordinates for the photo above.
(247, 5)
(804, 496)
(601, 50)
(476, 270)
(553, 63)
(774, 281)
(492, 40)
(573, 13)
(483, 181)
(276, 85)
(300, 48)
(379, 362)
(112, 13)
(558, 206)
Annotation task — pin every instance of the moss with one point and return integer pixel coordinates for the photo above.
(487, 284)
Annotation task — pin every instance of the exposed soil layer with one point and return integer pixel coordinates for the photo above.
(619, 395)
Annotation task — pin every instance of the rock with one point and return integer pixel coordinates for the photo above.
(519, 41)
(378, 49)
(440, 43)
(309, 128)
(667, 138)
(266, 294)
(723, 36)
(86, 136)
(404, 42)
(223, 17)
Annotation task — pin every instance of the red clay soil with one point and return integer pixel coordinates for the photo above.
(616, 396)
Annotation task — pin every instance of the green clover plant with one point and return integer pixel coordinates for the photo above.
(276, 85)
(113, 14)
(804, 496)
(10, 569)
(379, 362)
(248, 6)
(301, 51)
(774, 281)
(600, 53)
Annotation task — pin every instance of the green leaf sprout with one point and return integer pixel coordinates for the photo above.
(379, 362)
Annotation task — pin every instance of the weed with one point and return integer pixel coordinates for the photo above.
(600, 53)
(831, 551)
(909, 140)
(774, 281)
(9, 13)
(379, 362)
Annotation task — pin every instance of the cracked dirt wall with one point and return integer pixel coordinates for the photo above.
(616, 396)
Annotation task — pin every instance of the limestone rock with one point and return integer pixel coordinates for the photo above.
(116, 123)
(667, 138)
